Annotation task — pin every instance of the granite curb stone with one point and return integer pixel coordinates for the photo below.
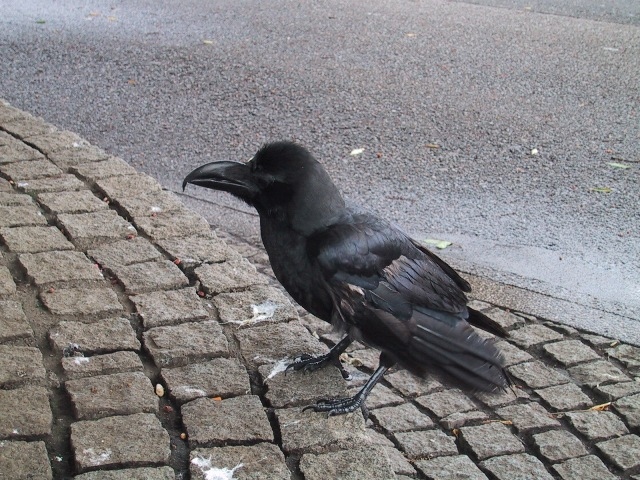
(122, 441)
(238, 419)
(220, 377)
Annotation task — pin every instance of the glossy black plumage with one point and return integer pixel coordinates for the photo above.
(359, 272)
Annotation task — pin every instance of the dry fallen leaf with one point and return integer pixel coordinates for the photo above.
(440, 244)
(621, 166)
(600, 189)
(602, 407)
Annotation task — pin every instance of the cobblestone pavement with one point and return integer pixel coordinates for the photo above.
(137, 344)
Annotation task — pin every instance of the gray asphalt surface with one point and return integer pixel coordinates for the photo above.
(447, 99)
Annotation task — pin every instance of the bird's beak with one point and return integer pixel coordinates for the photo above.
(231, 177)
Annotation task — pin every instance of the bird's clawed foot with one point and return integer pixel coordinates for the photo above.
(308, 363)
(340, 406)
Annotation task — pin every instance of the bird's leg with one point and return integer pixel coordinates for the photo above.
(338, 406)
(307, 363)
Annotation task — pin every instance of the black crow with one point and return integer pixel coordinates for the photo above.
(357, 271)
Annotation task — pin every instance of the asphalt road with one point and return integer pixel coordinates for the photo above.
(493, 125)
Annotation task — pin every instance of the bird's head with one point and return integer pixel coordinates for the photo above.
(281, 180)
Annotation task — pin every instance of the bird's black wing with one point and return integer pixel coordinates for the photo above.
(402, 300)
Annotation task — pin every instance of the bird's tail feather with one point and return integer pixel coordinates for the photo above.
(480, 320)
(458, 351)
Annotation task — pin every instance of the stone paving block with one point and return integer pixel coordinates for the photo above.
(511, 354)
(157, 309)
(459, 467)
(376, 438)
(505, 319)
(228, 276)
(220, 377)
(516, 467)
(584, 468)
(490, 440)
(272, 343)
(398, 462)
(618, 390)
(81, 201)
(597, 373)
(13, 322)
(460, 419)
(89, 302)
(24, 460)
(116, 394)
(32, 170)
(12, 199)
(116, 362)
(111, 167)
(215, 422)
(628, 355)
(401, 418)
(20, 216)
(623, 452)
(7, 287)
(15, 151)
(597, 340)
(176, 346)
(9, 113)
(102, 336)
(262, 461)
(149, 203)
(34, 239)
(150, 276)
(60, 267)
(130, 185)
(56, 141)
(257, 306)
(313, 432)
(125, 252)
(596, 425)
(75, 156)
(65, 182)
(29, 126)
(445, 403)
(88, 230)
(26, 413)
(20, 366)
(5, 138)
(565, 397)
(145, 473)
(531, 335)
(196, 250)
(501, 398)
(367, 357)
(426, 443)
(368, 462)
(410, 385)
(537, 375)
(299, 388)
(528, 416)
(629, 408)
(171, 224)
(558, 445)
(570, 352)
(122, 441)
